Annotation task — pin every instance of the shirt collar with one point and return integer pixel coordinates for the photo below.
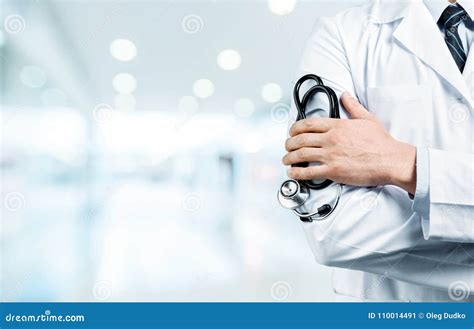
(436, 7)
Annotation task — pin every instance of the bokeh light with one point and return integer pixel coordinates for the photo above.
(123, 50)
(244, 107)
(188, 105)
(124, 83)
(281, 7)
(203, 88)
(33, 76)
(272, 93)
(125, 102)
(54, 97)
(229, 60)
(127, 190)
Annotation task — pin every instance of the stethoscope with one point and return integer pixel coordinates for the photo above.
(301, 196)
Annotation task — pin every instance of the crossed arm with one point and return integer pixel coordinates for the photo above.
(356, 151)
(373, 229)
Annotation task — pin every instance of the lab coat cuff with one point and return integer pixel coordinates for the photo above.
(421, 203)
(451, 197)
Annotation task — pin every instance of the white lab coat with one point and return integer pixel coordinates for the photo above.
(392, 56)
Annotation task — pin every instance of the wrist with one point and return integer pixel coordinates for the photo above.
(402, 169)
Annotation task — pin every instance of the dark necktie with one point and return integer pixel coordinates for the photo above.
(450, 19)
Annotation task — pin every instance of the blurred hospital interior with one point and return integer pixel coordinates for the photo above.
(141, 146)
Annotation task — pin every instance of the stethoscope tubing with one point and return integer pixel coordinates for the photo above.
(301, 105)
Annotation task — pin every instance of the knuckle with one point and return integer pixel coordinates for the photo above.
(290, 158)
(303, 174)
(296, 174)
(333, 137)
(301, 154)
(301, 140)
(328, 157)
(311, 123)
(323, 154)
(316, 172)
(336, 168)
(293, 128)
(313, 171)
(308, 123)
(307, 152)
(341, 124)
(370, 115)
(288, 144)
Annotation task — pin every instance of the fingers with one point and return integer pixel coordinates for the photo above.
(305, 154)
(312, 125)
(304, 140)
(353, 107)
(309, 173)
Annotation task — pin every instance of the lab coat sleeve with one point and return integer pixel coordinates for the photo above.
(449, 213)
(421, 202)
(375, 229)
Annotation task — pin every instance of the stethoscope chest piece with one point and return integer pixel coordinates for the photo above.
(308, 204)
(292, 195)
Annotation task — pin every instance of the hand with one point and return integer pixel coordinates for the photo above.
(357, 151)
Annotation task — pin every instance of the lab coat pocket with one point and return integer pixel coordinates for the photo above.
(405, 111)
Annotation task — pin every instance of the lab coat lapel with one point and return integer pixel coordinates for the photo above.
(419, 33)
(469, 70)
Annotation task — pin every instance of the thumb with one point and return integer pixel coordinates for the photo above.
(354, 108)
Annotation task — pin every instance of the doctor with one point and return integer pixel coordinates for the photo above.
(410, 68)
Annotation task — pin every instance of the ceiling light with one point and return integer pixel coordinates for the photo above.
(124, 83)
(123, 50)
(229, 60)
